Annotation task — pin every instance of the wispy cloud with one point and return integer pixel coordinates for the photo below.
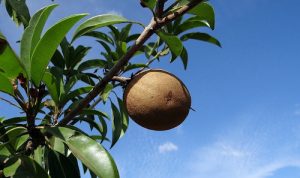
(167, 147)
(252, 148)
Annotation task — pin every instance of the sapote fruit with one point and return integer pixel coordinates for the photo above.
(157, 100)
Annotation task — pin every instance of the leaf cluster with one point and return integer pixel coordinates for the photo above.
(51, 77)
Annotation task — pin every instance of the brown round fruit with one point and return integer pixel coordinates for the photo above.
(157, 100)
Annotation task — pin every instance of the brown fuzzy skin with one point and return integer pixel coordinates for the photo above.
(157, 100)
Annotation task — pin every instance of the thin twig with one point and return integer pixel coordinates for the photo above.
(120, 79)
(145, 35)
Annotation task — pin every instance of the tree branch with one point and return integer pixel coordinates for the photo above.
(145, 35)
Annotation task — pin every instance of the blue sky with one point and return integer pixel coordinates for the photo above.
(246, 95)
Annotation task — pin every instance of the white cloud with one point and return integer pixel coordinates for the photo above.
(167, 147)
(257, 146)
(228, 161)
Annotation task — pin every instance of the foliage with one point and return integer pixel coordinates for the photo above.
(52, 76)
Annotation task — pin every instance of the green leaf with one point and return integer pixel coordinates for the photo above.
(92, 63)
(98, 22)
(106, 91)
(32, 35)
(10, 65)
(125, 32)
(173, 42)
(75, 93)
(149, 3)
(90, 152)
(191, 23)
(14, 120)
(202, 37)
(47, 45)
(53, 84)
(134, 66)
(100, 36)
(23, 166)
(38, 155)
(61, 166)
(5, 85)
(205, 12)
(116, 124)
(76, 56)
(18, 10)
(124, 115)
(58, 60)
(184, 58)
(57, 145)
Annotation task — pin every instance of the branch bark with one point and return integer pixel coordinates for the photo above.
(145, 35)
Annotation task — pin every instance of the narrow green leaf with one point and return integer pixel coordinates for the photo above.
(58, 60)
(98, 22)
(202, 37)
(191, 23)
(20, 12)
(90, 152)
(116, 124)
(6, 85)
(91, 64)
(38, 155)
(53, 86)
(92, 124)
(14, 120)
(57, 145)
(124, 115)
(77, 56)
(134, 66)
(77, 92)
(173, 42)
(46, 47)
(100, 36)
(61, 166)
(149, 3)
(205, 12)
(106, 91)
(10, 65)
(23, 166)
(184, 58)
(125, 32)
(32, 35)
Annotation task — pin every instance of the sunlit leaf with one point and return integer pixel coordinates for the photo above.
(124, 115)
(23, 166)
(205, 12)
(173, 42)
(106, 91)
(53, 85)
(100, 36)
(90, 152)
(6, 85)
(32, 35)
(10, 65)
(98, 22)
(91, 64)
(201, 37)
(47, 45)
(191, 23)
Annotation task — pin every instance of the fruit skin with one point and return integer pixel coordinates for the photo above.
(157, 100)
